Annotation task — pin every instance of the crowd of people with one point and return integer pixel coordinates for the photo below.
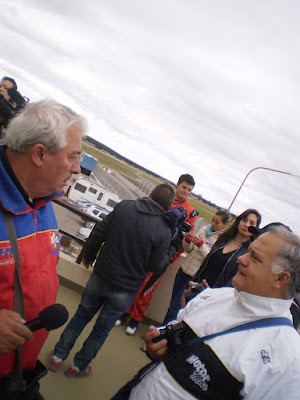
(234, 304)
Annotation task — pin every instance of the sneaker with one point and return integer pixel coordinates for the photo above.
(74, 372)
(121, 320)
(130, 330)
(53, 362)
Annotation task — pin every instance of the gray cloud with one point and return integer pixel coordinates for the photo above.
(209, 88)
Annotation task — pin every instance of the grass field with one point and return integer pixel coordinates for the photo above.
(205, 211)
(111, 162)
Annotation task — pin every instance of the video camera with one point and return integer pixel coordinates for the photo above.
(175, 218)
(9, 108)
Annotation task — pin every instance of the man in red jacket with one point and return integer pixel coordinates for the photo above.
(142, 299)
(43, 143)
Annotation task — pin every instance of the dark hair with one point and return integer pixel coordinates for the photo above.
(164, 195)
(7, 78)
(231, 232)
(224, 214)
(268, 227)
(186, 178)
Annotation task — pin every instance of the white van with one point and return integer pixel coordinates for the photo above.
(83, 189)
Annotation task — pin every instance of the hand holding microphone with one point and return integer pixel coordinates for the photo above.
(51, 317)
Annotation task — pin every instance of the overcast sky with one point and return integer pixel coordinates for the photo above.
(209, 87)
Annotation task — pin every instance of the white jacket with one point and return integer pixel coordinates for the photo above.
(264, 361)
(195, 255)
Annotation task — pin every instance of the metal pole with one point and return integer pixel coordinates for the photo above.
(269, 169)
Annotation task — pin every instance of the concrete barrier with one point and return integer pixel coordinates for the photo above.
(78, 275)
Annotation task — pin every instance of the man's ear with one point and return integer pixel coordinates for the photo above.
(283, 279)
(37, 154)
(150, 195)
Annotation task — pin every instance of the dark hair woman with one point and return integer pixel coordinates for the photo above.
(220, 266)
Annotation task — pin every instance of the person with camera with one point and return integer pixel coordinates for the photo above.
(134, 239)
(142, 300)
(197, 246)
(11, 101)
(235, 342)
(43, 143)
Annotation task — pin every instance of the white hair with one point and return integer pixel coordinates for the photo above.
(288, 259)
(46, 122)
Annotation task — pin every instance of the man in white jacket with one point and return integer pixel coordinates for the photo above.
(253, 363)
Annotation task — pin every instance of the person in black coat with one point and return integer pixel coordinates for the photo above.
(133, 240)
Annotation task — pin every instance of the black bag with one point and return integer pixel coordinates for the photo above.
(124, 392)
(28, 389)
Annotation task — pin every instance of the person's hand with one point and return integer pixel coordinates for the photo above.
(158, 350)
(205, 284)
(183, 299)
(192, 238)
(192, 284)
(86, 263)
(13, 333)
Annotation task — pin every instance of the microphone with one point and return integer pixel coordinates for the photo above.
(51, 317)
(254, 230)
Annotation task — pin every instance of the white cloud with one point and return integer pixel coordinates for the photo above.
(210, 88)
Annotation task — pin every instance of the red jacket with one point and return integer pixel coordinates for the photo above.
(191, 219)
(38, 241)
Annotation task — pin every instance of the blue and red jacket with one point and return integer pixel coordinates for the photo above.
(38, 241)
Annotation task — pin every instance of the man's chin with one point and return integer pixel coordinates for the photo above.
(181, 198)
(236, 280)
(59, 190)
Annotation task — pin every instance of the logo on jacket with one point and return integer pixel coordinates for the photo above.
(265, 356)
(7, 257)
(200, 375)
(6, 251)
(55, 239)
(55, 244)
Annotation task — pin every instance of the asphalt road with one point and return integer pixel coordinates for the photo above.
(67, 220)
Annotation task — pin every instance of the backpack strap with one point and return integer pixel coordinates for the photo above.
(260, 323)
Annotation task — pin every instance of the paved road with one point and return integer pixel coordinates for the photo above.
(67, 220)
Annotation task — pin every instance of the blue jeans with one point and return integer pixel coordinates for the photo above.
(180, 283)
(98, 293)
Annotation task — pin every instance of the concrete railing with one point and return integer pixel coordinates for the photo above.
(79, 275)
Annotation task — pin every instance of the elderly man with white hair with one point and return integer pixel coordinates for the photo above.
(238, 343)
(43, 143)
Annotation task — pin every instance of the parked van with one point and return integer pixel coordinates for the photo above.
(83, 189)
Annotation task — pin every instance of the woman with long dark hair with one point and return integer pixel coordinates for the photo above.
(220, 266)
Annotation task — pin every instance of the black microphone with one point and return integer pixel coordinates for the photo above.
(254, 230)
(51, 317)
